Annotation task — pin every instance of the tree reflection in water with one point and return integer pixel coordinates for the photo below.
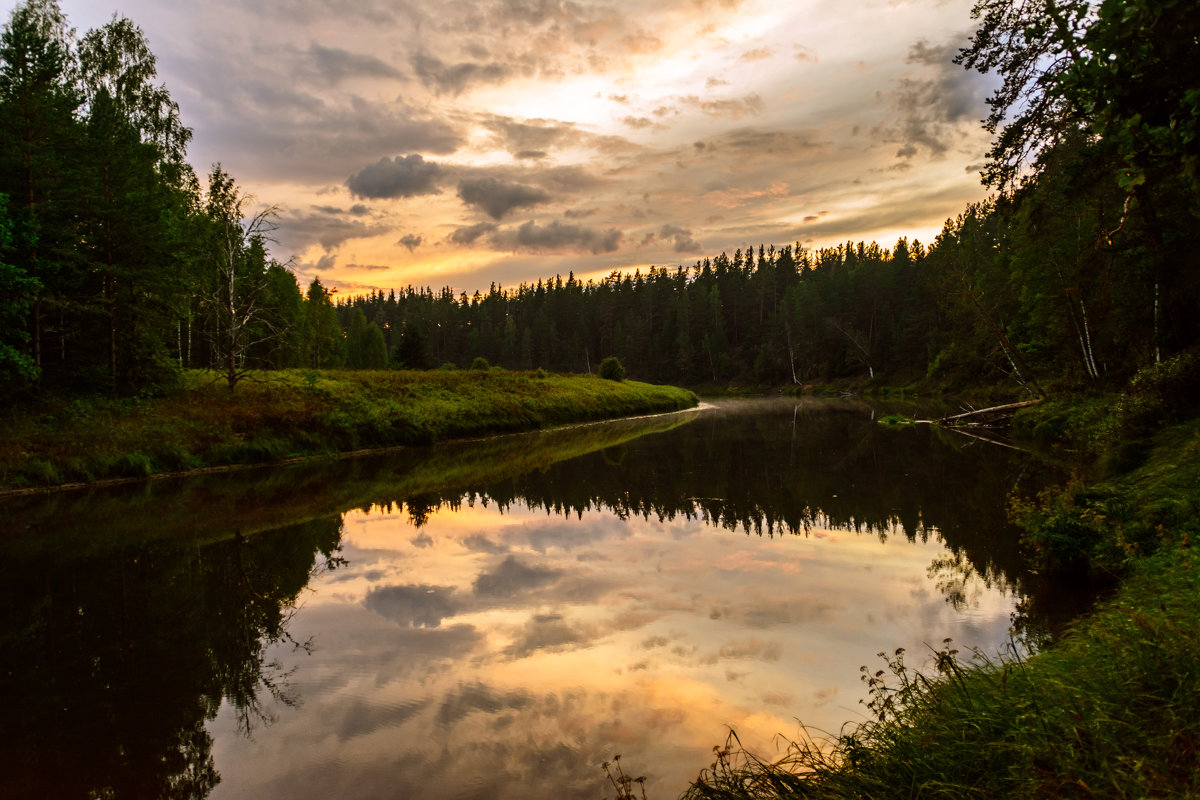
(130, 618)
(115, 660)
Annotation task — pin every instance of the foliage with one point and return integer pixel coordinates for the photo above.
(480, 364)
(611, 369)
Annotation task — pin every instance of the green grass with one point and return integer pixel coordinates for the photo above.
(278, 415)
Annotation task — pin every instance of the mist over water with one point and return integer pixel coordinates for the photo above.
(496, 618)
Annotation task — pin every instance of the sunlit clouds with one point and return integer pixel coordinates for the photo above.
(517, 649)
(460, 144)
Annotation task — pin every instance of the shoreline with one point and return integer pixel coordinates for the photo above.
(66, 444)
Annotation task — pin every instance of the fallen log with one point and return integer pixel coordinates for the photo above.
(1003, 410)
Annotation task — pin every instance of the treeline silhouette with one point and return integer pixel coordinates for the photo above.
(118, 270)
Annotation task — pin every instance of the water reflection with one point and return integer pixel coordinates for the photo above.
(493, 618)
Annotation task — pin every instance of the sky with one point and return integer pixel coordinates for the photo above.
(442, 143)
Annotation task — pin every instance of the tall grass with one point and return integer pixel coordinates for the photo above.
(277, 415)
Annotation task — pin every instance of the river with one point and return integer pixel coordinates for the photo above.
(496, 618)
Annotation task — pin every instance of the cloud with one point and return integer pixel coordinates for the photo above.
(757, 54)
(532, 135)
(937, 108)
(402, 176)
(454, 79)
(471, 233)
(479, 698)
(642, 43)
(422, 606)
(751, 648)
(337, 65)
(511, 578)
(558, 236)
(478, 543)
(411, 241)
(803, 53)
(498, 197)
(735, 108)
(639, 123)
(328, 228)
(684, 241)
(547, 632)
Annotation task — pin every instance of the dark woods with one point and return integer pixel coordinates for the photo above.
(117, 270)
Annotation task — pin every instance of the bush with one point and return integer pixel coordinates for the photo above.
(480, 363)
(541, 373)
(611, 369)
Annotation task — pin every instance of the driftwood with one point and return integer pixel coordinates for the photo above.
(980, 437)
(1001, 411)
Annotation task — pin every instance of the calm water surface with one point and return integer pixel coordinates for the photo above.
(495, 619)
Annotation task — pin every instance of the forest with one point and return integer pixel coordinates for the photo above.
(118, 270)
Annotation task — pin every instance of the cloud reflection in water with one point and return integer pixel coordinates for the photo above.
(508, 654)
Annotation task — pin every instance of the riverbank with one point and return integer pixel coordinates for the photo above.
(278, 415)
(1111, 709)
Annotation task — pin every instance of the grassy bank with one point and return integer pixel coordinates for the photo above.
(278, 415)
(1112, 709)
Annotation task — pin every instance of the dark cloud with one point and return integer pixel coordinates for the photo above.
(639, 122)
(529, 154)
(713, 83)
(511, 578)
(934, 110)
(478, 543)
(536, 135)
(547, 632)
(683, 240)
(261, 123)
(580, 213)
(558, 236)
(498, 197)
(411, 241)
(421, 606)
(337, 65)
(402, 176)
(328, 228)
(359, 718)
(479, 698)
(469, 234)
(454, 79)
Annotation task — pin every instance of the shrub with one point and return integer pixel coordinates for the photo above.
(541, 373)
(611, 369)
(480, 363)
